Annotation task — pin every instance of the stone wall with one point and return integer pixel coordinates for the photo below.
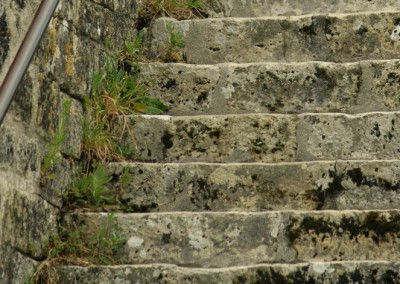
(72, 49)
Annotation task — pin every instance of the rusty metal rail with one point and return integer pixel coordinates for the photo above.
(25, 53)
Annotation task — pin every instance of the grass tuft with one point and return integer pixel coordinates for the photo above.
(77, 245)
(52, 156)
(116, 95)
(178, 9)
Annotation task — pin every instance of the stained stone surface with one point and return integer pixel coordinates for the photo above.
(250, 138)
(260, 8)
(334, 38)
(71, 50)
(315, 272)
(291, 155)
(267, 138)
(365, 136)
(18, 267)
(275, 88)
(232, 239)
(202, 240)
(337, 185)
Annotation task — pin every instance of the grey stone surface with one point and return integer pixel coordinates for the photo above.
(241, 138)
(71, 50)
(336, 38)
(267, 137)
(275, 87)
(260, 8)
(314, 272)
(364, 136)
(27, 221)
(231, 239)
(17, 269)
(365, 243)
(202, 240)
(337, 185)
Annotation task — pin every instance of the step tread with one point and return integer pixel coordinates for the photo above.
(231, 88)
(221, 239)
(267, 137)
(246, 8)
(257, 186)
(332, 37)
(363, 271)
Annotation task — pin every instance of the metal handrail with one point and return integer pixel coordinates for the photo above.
(25, 53)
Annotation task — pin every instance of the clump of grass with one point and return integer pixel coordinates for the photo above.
(116, 95)
(78, 245)
(90, 190)
(175, 45)
(178, 9)
(52, 156)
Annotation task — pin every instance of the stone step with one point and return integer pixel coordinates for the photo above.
(335, 37)
(260, 8)
(232, 239)
(275, 87)
(314, 272)
(337, 185)
(266, 137)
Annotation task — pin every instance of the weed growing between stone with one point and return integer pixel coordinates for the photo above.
(90, 190)
(178, 9)
(52, 155)
(77, 245)
(175, 46)
(117, 95)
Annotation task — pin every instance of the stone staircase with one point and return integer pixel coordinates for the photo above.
(280, 159)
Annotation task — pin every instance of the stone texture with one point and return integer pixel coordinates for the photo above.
(249, 138)
(27, 221)
(315, 272)
(19, 150)
(365, 136)
(93, 18)
(71, 50)
(260, 8)
(267, 138)
(202, 240)
(18, 268)
(14, 22)
(275, 88)
(337, 185)
(231, 239)
(337, 38)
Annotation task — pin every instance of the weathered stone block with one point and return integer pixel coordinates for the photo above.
(258, 187)
(314, 272)
(335, 38)
(250, 138)
(202, 240)
(236, 239)
(363, 137)
(261, 8)
(27, 221)
(275, 87)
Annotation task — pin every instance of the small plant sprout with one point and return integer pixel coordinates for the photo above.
(175, 45)
(52, 157)
(91, 190)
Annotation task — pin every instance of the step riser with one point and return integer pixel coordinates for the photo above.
(223, 240)
(345, 38)
(275, 274)
(259, 187)
(260, 8)
(267, 138)
(275, 88)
